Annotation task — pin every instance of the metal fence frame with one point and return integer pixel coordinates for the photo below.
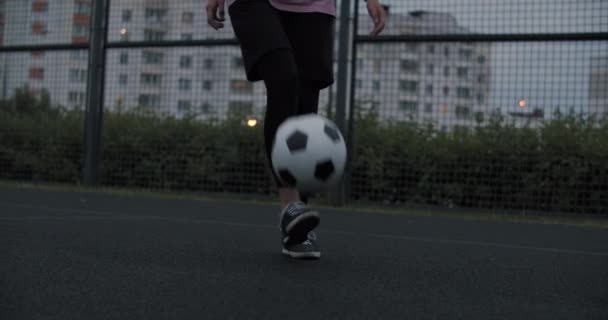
(349, 42)
(358, 40)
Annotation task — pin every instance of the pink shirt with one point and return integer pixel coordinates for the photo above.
(322, 6)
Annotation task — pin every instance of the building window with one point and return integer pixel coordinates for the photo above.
(408, 106)
(430, 48)
(36, 73)
(82, 7)
(39, 28)
(462, 112)
(481, 78)
(187, 17)
(155, 15)
(410, 66)
(127, 14)
(151, 78)
(446, 71)
(377, 65)
(184, 106)
(411, 47)
(185, 62)
(149, 100)
(80, 31)
(240, 106)
(123, 79)
(76, 98)
(124, 34)
(462, 92)
(185, 84)
(359, 83)
(480, 99)
(207, 85)
(208, 64)
(40, 6)
(481, 59)
(446, 91)
(79, 55)
(124, 58)
(462, 72)
(429, 89)
(360, 63)
(152, 57)
(376, 85)
(37, 54)
(241, 86)
(430, 69)
(152, 35)
(205, 108)
(446, 51)
(237, 62)
(465, 54)
(428, 108)
(186, 36)
(408, 86)
(78, 75)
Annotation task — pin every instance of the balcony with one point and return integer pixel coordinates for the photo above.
(81, 19)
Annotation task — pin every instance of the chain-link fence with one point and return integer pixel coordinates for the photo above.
(480, 104)
(467, 103)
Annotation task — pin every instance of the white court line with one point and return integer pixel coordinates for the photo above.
(107, 215)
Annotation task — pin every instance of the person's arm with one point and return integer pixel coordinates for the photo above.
(378, 14)
(215, 13)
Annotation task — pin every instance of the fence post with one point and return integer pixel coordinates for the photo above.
(337, 197)
(350, 131)
(95, 91)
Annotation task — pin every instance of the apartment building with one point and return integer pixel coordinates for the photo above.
(598, 85)
(62, 74)
(443, 83)
(447, 84)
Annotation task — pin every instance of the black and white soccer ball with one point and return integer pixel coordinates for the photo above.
(309, 153)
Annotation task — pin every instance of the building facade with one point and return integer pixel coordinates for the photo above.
(598, 86)
(446, 84)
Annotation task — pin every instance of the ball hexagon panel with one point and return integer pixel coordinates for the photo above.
(324, 170)
(332, 133)
(297, 141)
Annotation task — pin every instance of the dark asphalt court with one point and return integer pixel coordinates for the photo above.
(99, 256)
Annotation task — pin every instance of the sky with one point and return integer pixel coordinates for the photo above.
(546, 74)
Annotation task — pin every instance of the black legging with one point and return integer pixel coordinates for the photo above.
(287, 94)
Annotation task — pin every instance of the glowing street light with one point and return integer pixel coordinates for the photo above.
(252, 122)
(522, 103)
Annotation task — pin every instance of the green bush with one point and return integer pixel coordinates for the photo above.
(39, 142)
(561, 167)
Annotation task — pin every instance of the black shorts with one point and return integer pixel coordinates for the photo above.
(261, 28)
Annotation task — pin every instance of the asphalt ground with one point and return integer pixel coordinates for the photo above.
(87, 255)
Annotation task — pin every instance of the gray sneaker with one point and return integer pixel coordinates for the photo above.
(297, 220)
(309, 249)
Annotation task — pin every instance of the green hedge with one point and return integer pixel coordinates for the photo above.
(562, 167)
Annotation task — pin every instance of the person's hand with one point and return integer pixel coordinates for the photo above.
(378, 15)
(215, 13)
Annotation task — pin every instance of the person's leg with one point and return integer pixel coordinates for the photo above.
(267, 56)
(311, 36)
(280, 75)
(308, 102)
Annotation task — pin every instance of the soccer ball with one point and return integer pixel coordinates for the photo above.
(309, 153)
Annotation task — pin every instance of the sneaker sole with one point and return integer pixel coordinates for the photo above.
(297, 231)
(302, 255)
